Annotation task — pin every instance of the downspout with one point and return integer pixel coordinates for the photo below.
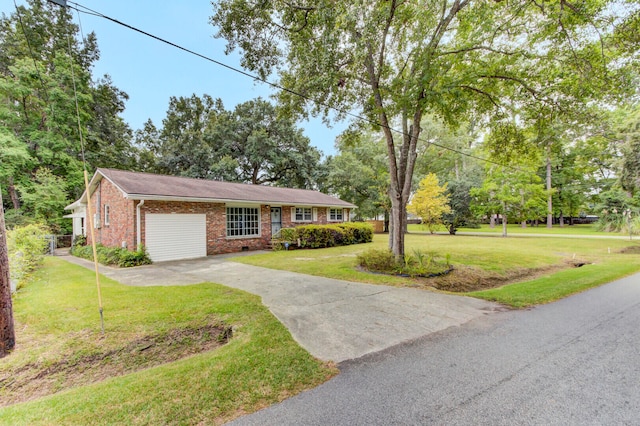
(139, 231)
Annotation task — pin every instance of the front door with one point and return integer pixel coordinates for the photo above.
(276, 220)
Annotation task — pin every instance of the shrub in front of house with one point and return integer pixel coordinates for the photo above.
(321, 236)
(117, 256)
(417, 264)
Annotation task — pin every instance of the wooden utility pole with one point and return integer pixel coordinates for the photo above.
(7, 333)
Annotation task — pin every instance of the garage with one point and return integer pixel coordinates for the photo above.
(175, 236)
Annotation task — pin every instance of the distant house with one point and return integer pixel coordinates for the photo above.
(182, 218)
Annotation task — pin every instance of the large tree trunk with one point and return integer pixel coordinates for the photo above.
(550, 196)
(398, 222)
(7, 333)
(504, 219)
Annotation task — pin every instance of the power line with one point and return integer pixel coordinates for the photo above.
(89, 11)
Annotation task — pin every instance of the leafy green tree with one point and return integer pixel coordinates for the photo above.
(268, 148)
(430, 202)
(569, 183)
(460, 214)
(398, 61)
(147, 144)
(614, 208)
(442, 149)
(251, 144)
(512, 193)
(45, 199)
(183, 148)
(109, 139)
(358, 174)
(14, 157)
(628, 132)
(42, 59)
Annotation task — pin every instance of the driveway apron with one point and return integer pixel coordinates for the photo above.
(334, 320)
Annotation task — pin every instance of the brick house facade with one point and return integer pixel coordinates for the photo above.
(236, 217)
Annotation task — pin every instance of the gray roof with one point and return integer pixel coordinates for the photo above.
(150, 186)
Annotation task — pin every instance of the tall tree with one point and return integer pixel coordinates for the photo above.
(460, 214)
(45, 199)
(251, 144)
(182, 147)
(399, 60)
(628, 132)
(358, 173)
(268, 148)
(42, 59)
(513, 193)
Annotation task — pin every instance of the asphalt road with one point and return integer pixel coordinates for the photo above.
(573, 362)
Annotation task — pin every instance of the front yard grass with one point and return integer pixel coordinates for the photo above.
(69, 373)
(582, 229)
(536, 270)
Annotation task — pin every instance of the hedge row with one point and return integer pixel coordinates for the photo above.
(320, 236)
(110, 255)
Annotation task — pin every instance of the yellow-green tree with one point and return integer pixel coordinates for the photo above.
(430, 202)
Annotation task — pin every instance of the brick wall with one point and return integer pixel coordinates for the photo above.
(216, 218)
(121, 227)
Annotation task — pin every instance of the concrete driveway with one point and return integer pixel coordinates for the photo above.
(334, 320)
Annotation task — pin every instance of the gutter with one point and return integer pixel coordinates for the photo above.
(139, 231)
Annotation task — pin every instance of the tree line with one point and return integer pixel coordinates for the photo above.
(43, 155)
(546, 94)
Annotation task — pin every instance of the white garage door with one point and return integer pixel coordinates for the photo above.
(175, 236)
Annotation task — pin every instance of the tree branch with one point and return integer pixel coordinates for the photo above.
(482, 92)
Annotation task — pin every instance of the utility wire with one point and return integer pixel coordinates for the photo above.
(83, 9)
(86, 184)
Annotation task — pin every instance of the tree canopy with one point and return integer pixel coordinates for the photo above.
(252, 144)
(395, 61)
(42, 58)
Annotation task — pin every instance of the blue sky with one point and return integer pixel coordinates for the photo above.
(151, 71)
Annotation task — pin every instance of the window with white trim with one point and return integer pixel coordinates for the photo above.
(336, 215)
(243, 222)
(106, 215)
(302, 214)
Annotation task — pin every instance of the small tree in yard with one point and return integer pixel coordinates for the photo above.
(513, 193)
(459, 192)
(430, 202)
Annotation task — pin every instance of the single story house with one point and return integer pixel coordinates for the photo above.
(182, 218)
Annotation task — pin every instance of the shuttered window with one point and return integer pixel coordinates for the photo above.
(302, 214)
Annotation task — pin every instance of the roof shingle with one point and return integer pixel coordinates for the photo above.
(149, 186)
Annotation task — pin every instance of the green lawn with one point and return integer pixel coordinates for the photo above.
(57, 323)
(488, 255)
(561, 284)
(517, 229)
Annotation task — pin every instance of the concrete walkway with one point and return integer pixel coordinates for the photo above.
(334, 320)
